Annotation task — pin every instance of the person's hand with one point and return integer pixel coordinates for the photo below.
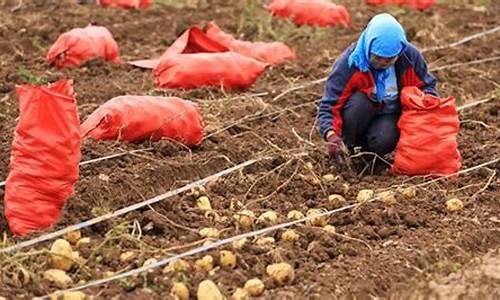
(336, 148)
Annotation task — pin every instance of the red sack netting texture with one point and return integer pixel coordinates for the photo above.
(44, 158)
(80, 45)
(138, 118)
(428, 129)
(321, 13)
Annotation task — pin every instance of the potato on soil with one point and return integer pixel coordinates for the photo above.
(336, 199)
(365, 195)
(409, 192)
(295, 215)
(281, 273)
(73, 237)
(388, 197)
(245, 218)
(177, 266)
(329, 229)
(67, 295)
(58, 277)
(61, 255)
(227, 259)
(206, 263)
(269, 216)
(290, 235)
(239, 244)
(454, 204)
(209, 232)
(255, 287)
(179, 291)
(319, 220)
(265, 241)
(208, 290)
(240, 294)
(203, 203)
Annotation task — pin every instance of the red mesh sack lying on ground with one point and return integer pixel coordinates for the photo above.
(138, 118)
(322, 13)
(195, 60)
(127, 4)
(428, 127)
(418, 4)
(79, 45)
(44, 158)
(272, 53)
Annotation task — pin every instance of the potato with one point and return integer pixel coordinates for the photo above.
(227, 259)
(365, 195)
(150, 262)
(203, 203)
(454, 204)
(388, 197)
(127, 256)
(208, 290)
(336, 199)
(316, 221)
(239, 244)
(329, 178)
(329, 229)
(73, 237)
(265, 241)
(309, 166)
(345, 188)
(240, 294)
(61, 255)
(281, 273)
(245, 219)
(180, 291)
(177, 266)
(409, 192)
(58, 277)
(255, 287)
(67, 295)
(269, 216)
(295, 215)
(205, 264)
(290, 235)
(209, 232)
(83, 241)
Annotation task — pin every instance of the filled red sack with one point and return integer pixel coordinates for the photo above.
(127, 4)
(195, 60)
(418, 4)
(428, 127)
(44, 157)
(79, 45)
(138, 118)
(322, 13)
(272, 53)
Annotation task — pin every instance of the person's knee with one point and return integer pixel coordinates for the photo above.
(382, 142)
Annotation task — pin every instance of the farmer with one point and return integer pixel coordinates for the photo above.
(361, 106)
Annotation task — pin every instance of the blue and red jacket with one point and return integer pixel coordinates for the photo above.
(343, 81)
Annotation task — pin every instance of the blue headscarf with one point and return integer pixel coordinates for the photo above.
(383, 36)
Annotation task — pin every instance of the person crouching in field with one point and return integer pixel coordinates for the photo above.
(361, 105)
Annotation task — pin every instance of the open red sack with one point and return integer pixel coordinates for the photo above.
(79, 45)
(273, 53)
(428, 128)
(192, 40)
(44, 158)
(195, 60)
(322, 13)
(138, 118)
(127, 4)
(418, 4)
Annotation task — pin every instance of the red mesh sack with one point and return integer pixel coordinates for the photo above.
(229, 70)
(272, 53)
(192, 40)
(44, 158)
(79, 45)
(138, 118)
(195, 60)
(418, 4)
(428, 128)
(322, 13)
(127, 4)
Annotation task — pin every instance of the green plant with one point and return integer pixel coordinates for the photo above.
(29, 77)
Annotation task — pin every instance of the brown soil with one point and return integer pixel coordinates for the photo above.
(379, 251)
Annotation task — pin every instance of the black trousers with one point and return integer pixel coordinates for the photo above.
(364, 126)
